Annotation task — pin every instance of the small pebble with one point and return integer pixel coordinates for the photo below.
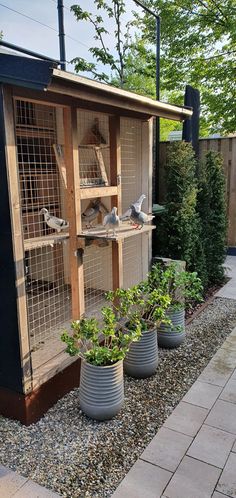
(78, 457)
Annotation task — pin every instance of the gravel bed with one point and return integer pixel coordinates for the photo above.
(78, 457)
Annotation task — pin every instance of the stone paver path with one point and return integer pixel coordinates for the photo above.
(193, 455)
(14, 485)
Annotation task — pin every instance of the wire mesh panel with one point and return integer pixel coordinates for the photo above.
(132, 261)
(38, 171)
(97, 277)
(48, 293)
(130, 161)
(93, 139)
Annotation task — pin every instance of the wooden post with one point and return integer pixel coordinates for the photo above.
(115, 175)
(146, 172)
(17, 238)
(74, 211)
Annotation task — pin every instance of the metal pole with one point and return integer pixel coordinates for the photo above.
(157, 149)
(157, 127)
(61, 35)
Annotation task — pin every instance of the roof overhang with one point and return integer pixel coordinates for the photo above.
(25, 72)
(99, 93)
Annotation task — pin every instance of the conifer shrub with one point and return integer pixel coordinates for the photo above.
(179, 231)
(211, 205)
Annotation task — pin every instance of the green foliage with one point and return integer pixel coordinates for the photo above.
(212, 209)
(111, 12)
(179, 231)
(140, 304)
(100, 346)
(177, 283)
(198, 45)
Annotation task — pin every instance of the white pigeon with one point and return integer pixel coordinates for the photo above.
(111, 221)
(139, 218)
(137, 206)
(54, 222)
(91, 213)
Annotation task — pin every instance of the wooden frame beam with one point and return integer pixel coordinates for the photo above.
(17, 239)
(71, 158)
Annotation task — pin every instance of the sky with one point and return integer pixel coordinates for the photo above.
(44, 40)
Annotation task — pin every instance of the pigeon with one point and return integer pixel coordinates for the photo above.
(137, 205)
(91, 213)
(139, 218)
(54, 222)
(111, 221)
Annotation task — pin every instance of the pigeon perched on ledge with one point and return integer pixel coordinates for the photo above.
(111, 221)
(91, 213)
(54, 222)
(139, 218)
(137, 206)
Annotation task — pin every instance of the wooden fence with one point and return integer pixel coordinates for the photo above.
(227, 147)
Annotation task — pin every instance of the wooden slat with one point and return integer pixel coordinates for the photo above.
(99, 157)
(115, 174)
(61, 164)
(48, 240)
(123, 232)
(94, 192)
(17, 235)
(71, 156)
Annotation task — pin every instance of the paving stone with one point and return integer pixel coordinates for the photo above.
(202, 394)
(227, 482)
(167, 449)
(229, 391)
(212, 446)
(193, 479)
(186, 418)
(223, 416)
(143, 480)
(219, 369)
(10, 482)
(230, 342)
(234, 447)
(33, 490)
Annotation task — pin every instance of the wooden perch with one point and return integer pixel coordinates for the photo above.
(61, 164)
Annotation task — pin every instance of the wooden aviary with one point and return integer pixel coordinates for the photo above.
(66, 141)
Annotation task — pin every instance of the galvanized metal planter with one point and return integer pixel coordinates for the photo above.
(101, 391)
(142, 359)
(168, 335)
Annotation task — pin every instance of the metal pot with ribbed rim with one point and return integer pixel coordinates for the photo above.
(142, 358)
(101, 391)
(173, 335)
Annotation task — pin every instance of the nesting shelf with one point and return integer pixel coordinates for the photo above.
(48, 240)
(124, 231)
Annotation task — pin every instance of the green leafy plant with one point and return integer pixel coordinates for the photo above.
(212, 209)
(100, 345)
(179, 233)
(139, 305)
(183, 287)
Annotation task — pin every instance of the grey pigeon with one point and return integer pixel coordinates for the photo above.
(139, 218)
(137, 206)
(54, 222)
(111, 221)
(91, 213)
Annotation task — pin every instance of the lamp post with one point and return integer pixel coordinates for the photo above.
(157, 129)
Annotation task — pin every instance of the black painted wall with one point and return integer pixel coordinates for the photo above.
(10, 365)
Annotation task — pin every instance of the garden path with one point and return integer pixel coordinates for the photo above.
(194, 452)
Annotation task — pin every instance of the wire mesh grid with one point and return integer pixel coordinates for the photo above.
(38, 172)
(132, 261)
(94, 160)
(97, 277)
(48, 292)
(130, 161)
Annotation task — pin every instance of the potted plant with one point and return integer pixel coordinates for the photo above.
(184, 289)
(133, 306)
(102, 349)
